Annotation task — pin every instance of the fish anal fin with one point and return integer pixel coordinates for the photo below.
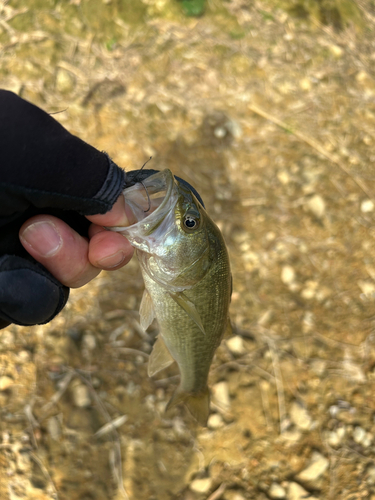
(198, 404)
(160, 358)
(189, 308)
(146, 310)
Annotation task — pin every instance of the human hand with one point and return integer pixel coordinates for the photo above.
(72, 259)
(56, 194)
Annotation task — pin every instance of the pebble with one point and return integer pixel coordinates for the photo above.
(296, 492)
(290, 437)
(276, 491)
(318, 465)
(310, 290)
(89, 341)
(336, 50)
(305, 84)
(64, 81)
(318, 366)
(81, 396)
(370, 475)
(362, 437)
(288, 275)
(367, 206)
(201, 485)
(236, 345)
(5, 383)
(283, 177)
(23, 357)
(232, 495)
(316, 205)
(215, 421)
(334, 438)
(300, 416)
(54, 428)
(220, 393)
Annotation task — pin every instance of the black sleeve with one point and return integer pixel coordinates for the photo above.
(43, 169)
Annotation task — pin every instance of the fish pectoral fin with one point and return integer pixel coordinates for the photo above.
(160, 358)
(198, 404)
(189, 308)
(146, 310)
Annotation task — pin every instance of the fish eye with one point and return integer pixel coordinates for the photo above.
(191, 222)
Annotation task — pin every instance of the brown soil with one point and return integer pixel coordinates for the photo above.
(270, 113)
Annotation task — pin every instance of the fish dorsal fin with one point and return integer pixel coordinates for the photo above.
(160, 358)
(189, 308)
(146, 310)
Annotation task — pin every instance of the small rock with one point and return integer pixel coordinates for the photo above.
(359, 434)
(334, 438)
(318, 465)
(367, 206)
(215, 421)
(220, 393)
(23, 357)
(5, 383)
(232, 495)
(368, 288)
(201, 485)
(316, 205)
(288, 275)
(283, 177)
(89, 341)
(370, 475)
(305, 84)
(276, 491)
(64, 81)
(236, 345)
(308, 322)
(296, 492)
(81, 396)
(300, 417)
(336, 51)
(362, 77)
(290, 437)
(310, 290)
(362, 437)
(54, 428)
(318, 366)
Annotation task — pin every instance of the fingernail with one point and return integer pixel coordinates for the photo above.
(112, 260)
(43, 237)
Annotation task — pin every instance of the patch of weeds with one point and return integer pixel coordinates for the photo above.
(193, 8)
(236, 35)
(267, 16)
(110, 44)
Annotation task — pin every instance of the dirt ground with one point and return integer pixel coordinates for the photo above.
(268, 108)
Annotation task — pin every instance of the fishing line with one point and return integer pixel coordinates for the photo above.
(141, 182)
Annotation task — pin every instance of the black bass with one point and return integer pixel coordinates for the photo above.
(186, 270)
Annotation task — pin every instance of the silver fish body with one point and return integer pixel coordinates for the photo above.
(186, 270)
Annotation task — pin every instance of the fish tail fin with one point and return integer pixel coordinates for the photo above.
(198, 404)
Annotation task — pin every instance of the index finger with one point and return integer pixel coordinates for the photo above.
(119, 215)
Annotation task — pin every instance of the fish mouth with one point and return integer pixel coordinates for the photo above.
(152, 202)
(148, 198)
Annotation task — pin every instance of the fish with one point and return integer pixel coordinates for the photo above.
(188, 282)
